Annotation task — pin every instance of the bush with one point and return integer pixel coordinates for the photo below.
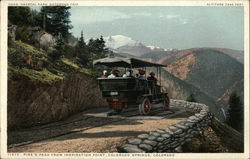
(235, 116)
(191, 98)
(23, 34)
(55, 55)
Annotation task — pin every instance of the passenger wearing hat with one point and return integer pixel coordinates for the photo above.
(152, 77)
(105, 74)
(129, 73)
(141, 74)
(114, 73)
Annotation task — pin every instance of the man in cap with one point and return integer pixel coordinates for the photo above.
(114, 73)
(152, 77)
(141, 74)
(105, 74)
(129, 73)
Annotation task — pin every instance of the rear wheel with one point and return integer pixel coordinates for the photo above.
(145, 106)
(166, 103)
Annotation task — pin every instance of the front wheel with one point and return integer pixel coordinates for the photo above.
(145, 106)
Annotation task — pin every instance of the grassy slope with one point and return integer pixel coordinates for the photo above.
(50, 72)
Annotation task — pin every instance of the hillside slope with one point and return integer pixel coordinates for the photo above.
(238, 88)
(43, 91)
(179, 89)
(211, 71)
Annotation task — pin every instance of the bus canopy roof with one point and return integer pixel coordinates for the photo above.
(125, 62)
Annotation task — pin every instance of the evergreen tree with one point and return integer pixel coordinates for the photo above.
(59, 49)
(235, 112)
(35, 15)
(81, 51)
(98, 47)
(21, 16)
(91, 45)
(55, 20)
(191, 98)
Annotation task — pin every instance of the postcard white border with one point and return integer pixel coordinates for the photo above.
(3, 57)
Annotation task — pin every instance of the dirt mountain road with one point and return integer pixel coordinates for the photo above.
(91, 131)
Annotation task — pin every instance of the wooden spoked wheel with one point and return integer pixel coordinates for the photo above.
(145, 106)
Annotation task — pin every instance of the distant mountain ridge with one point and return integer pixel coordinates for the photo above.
(216, 72)
(179, 89)
(127, 45)
(117, 41)
(208, 69)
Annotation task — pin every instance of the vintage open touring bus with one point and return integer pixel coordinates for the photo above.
(124, 92)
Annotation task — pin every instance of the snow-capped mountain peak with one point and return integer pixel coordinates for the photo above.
(157, 48)
(154, 47)
(117, 41)
(126, 45)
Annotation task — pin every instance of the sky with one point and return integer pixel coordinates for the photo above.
(164, 26)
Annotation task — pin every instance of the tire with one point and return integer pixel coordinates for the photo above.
(166, 103)
(145, 106)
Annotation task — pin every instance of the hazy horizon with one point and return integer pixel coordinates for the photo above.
(164, 26)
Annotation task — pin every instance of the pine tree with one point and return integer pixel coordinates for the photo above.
(59, 49)
(97, 49)
(55, 20)
(81, 51)
(35, 15)
(21, 16)
(235, 112)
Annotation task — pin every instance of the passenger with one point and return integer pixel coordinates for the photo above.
(114, 73)
(129, 73)
(105, 74)
(141, 74)
(152, 77)
(117, 72)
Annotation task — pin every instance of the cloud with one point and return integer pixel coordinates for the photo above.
(168, 16)
(89, 15)
(183, 20)
(172, 16)
(175, 17)
(144, 14)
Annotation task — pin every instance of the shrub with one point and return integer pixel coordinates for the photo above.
(235, 114)
(191, 98)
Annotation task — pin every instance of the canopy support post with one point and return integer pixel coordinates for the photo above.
(160, 77)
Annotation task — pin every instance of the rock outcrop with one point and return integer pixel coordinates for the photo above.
(33, 102)
(33, 35)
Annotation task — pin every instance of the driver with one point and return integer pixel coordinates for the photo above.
(152, 77)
